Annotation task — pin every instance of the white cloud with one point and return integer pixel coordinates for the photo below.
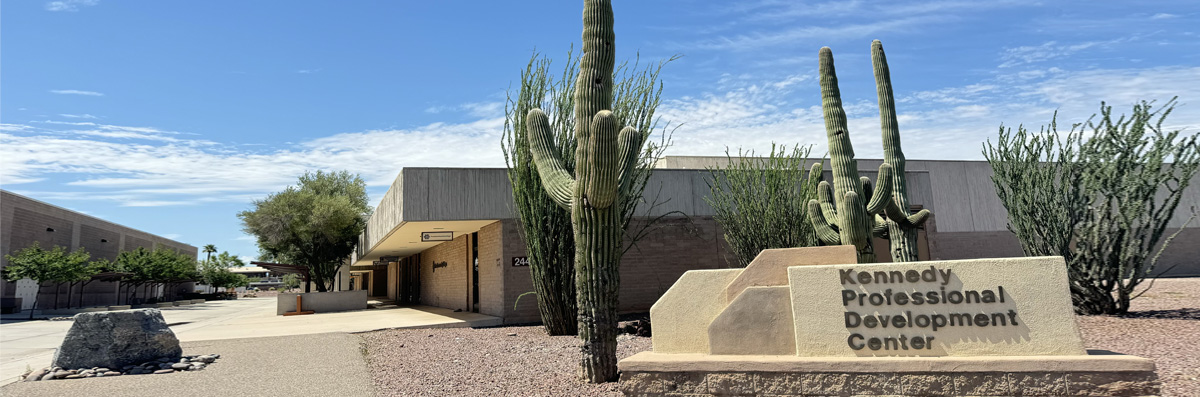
(141, 166)
(76, 92)
(757, 40)
(1052, 50)
(1163, 15)
(308, 71)
(70, 5)
(78, 116)
(148, 166)
(947, 123)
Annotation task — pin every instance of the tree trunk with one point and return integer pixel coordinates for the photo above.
(70, 293)
(81, 288)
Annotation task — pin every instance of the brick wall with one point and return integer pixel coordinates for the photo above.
(100, 243)
(517, 280)
(446, 286)
(491, 269)
(674, 246)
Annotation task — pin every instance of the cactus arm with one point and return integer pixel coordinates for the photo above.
(814, 173)
(902, 219)
(866, 186)
(880, 229)
(630, 141)
(558, 183)
(821, 226)
(600, 175)
(825, 198)
(883, 193)
(919, 218)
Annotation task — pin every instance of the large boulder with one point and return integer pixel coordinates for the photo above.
(117, 339)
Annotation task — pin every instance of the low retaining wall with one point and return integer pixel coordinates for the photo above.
(323, 302)
(1099, 373)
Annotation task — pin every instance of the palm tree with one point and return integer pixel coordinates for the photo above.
(209, 249)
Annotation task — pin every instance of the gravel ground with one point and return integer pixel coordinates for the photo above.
(304, 365)
(486, 361)
(1164, 326)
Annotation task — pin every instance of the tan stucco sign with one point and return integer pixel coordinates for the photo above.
(1009, 306)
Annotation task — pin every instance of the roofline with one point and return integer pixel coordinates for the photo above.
(95, 218)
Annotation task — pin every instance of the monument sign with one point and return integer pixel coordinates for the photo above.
(811, 321)
(1011, 306)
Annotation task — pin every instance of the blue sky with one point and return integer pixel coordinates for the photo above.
(171, 117)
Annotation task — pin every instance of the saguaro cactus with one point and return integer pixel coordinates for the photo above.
(853, 220)
(604, 166)
(901, 226)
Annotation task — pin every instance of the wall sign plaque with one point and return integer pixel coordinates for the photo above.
(436, 236)
(519, 261)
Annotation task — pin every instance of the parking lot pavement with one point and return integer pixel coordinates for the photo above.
(298, 365)
(31, 344)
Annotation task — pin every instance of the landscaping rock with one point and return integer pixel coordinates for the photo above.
(164, 371)
(36, 375)
(115, 339)
(180, 366)
(48, 376)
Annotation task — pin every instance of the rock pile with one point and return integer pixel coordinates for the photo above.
(160, 366)
(639, 327)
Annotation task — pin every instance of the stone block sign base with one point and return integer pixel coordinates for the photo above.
(813, 322)
(1099, 373)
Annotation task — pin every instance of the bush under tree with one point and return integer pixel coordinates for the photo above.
(1100, 196)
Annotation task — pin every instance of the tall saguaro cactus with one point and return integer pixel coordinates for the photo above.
(842, 214)
(901, 226)
(604, 165)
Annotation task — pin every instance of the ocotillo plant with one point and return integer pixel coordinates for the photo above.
(852, 220)
(544, 225)
(1101, 196)
(901, 226)
(596, 193)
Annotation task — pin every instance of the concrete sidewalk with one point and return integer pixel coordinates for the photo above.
(298, 365)
(31, 344)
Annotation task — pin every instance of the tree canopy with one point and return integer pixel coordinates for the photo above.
(315, 223)
(41, 265)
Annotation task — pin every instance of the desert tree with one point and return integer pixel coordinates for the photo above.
(55, 265)
(314, 224)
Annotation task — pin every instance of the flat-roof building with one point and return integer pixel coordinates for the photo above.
(24, 221)
(472, 256)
